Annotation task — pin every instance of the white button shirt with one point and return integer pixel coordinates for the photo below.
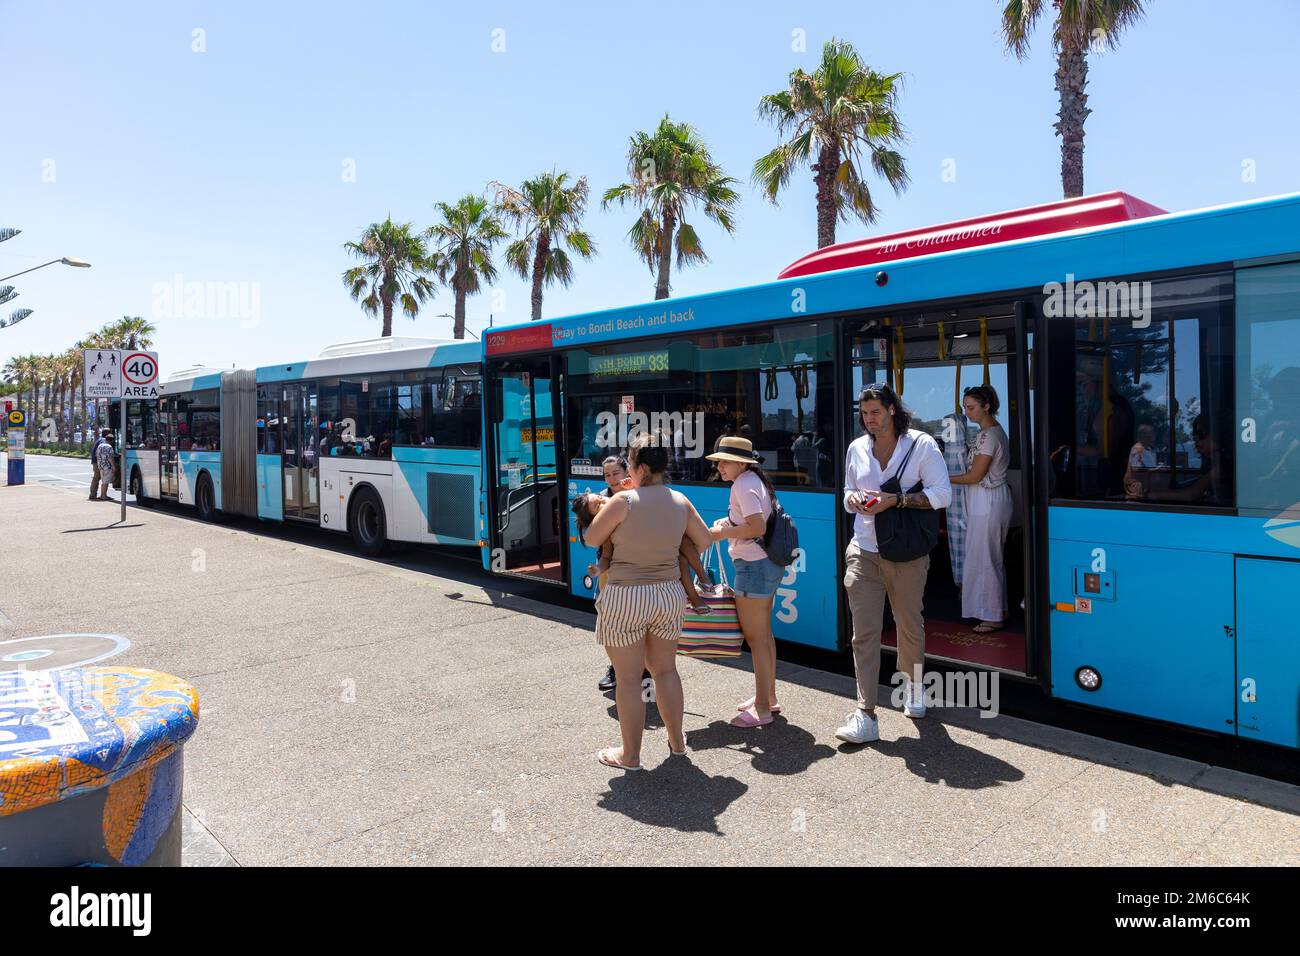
(863, 473)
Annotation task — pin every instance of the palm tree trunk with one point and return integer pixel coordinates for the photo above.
(458, 326)
(665, 255)
(827, 168)
(388, 316)
(1071, 79)
(539, 271)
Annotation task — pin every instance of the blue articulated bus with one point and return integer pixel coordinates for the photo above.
(1149, 371)
(378, 439)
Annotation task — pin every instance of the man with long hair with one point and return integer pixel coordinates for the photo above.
(891, 448)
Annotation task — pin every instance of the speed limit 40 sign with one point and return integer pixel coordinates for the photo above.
(139, 374)
(120, 373)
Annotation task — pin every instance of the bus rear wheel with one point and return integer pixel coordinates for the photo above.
(366, 522)
(204, 499)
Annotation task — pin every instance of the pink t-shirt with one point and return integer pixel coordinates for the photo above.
(748, 497)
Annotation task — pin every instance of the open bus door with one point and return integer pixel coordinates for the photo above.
(525, 500)
(930, 355)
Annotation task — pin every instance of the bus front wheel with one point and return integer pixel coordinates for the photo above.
(137, 489)
(366, 522)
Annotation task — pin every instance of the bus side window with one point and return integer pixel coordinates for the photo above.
(1268, 389)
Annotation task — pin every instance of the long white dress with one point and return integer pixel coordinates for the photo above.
(988, 516)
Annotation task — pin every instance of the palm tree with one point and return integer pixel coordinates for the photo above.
(396, 269)
(465, 237)
(549, 211)
(22, 368)
(670, 170)
(132, 332)
(1080, 25)
(18, 371)
(58, 391)
(830, 117)
(43, 379)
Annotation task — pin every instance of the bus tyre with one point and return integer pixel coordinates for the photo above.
(205, 502)
(366, 522)
(137, 489)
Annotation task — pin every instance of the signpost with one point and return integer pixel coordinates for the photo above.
(121, 374)
(16, 423)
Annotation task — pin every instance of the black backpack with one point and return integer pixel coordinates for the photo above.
(781, 539)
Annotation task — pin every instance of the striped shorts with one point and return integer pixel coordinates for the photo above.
(625, 613)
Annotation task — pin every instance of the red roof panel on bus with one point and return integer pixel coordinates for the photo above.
(1062, 216)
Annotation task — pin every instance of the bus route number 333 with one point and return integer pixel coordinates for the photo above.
(786, 612)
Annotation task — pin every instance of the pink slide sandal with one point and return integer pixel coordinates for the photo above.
(749, 719)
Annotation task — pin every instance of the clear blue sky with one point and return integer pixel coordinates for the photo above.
(226, 166)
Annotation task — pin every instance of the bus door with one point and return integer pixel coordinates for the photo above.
(930, 357)
(302, 435)
(526, 504)
(167, 462)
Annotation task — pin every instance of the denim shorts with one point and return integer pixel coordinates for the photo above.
(756, 579)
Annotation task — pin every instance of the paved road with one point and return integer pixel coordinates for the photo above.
(69, 473)
(363, 712)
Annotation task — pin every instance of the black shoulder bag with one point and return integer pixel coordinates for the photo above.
(905, 534)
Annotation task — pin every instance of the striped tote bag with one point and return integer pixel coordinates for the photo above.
(716, 634)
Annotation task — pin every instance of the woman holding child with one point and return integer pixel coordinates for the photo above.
(639, 611)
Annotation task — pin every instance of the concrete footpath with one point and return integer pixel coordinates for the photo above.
(369, 712)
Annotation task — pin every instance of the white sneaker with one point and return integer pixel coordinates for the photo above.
(859, 728)
(914, 700)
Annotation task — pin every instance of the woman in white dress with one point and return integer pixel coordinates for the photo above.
(988, 513)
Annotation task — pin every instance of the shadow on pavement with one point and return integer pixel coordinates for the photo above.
(107, 527)
(780, 748)
(675, 795)
(937, 758)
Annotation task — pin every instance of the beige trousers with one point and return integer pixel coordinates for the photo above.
(869, 579)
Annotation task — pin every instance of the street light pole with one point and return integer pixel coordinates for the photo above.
(448, 315)
(66, 260)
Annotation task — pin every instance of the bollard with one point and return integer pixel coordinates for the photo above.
(91, 766)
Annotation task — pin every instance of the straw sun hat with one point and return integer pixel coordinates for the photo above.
(733, 448)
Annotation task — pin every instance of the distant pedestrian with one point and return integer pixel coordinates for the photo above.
(97, 476)
(104, 456)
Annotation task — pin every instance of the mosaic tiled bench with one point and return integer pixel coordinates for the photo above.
(91, 766)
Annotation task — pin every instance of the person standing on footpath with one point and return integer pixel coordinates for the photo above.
(890, 451)
(104, 455)
(97, 476)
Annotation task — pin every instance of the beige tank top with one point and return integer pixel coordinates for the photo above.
(646, 543)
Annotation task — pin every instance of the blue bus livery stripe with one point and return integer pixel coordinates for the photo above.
(1176, 530)
(270, 491)
(414, 465)
(192, 463)
(281, 373)
(467, 353)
